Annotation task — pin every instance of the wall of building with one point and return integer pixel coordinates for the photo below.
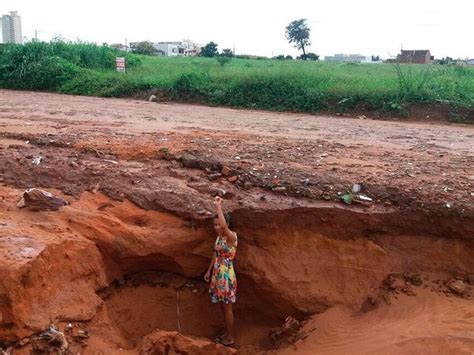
(11, 28)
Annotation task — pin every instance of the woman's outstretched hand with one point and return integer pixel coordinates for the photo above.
(217, 201)
(207, 276)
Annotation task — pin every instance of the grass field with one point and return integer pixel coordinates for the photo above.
(282, 85)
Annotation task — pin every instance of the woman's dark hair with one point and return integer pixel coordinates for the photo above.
(228, 219)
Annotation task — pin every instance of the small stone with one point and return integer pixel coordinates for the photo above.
(248, 185)
(226, 171)
(213, 177)
(233, 179)
(190, 161)
(414, 279)
(458, 287)
(279, 189)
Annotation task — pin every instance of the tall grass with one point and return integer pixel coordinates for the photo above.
(47, 66)
(300, 86)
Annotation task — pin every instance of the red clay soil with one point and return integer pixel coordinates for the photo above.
(124, 260)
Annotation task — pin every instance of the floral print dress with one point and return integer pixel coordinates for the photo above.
(223, 286)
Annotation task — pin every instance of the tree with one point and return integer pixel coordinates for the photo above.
(288, 57)
(309, 56)
(297, 32)
(227, 53)
(144, 47)
(209, 50)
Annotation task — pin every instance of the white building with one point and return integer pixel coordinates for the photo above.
(170, 49)
(352, 58)
(11, 28)
(177, 49)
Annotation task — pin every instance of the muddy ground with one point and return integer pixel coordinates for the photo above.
(125, 259)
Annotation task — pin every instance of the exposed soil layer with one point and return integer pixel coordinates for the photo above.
(124, 260)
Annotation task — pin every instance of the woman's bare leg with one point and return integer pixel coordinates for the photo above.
(229, 323)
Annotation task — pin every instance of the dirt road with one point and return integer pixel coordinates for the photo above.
(414, 164)
(126, 257)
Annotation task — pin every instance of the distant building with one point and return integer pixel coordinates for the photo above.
(120, 47)
(352, 58)
(170, 49)
(11, 28)
(470, 61)
(415, 56)
(177, 48)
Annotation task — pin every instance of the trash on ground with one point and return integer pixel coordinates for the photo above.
(39, 200)
(347, 199)
(37, 160)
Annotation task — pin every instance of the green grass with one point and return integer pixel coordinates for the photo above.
(265, 84)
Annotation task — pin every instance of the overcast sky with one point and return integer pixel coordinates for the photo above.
(369, 27)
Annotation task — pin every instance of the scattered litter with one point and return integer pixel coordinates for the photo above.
(50, 338)
(37, 160)
(286, 332)
(364, 198)
(111, 161)
(39, 200)
(305, 182)
(448, 189)
(152, 98)
(347, 199)
(447, 205)
(237, 158)
(356, 188)
(324, 155)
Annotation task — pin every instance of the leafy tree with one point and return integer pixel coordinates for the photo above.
(144, 47)
(279, 57)
(297, 32)
(309, 56)
(288, 57)
(227, 53)
(209, 50)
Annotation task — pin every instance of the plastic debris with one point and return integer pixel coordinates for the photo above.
(364, 198)
(37, 160)
(347, 199)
